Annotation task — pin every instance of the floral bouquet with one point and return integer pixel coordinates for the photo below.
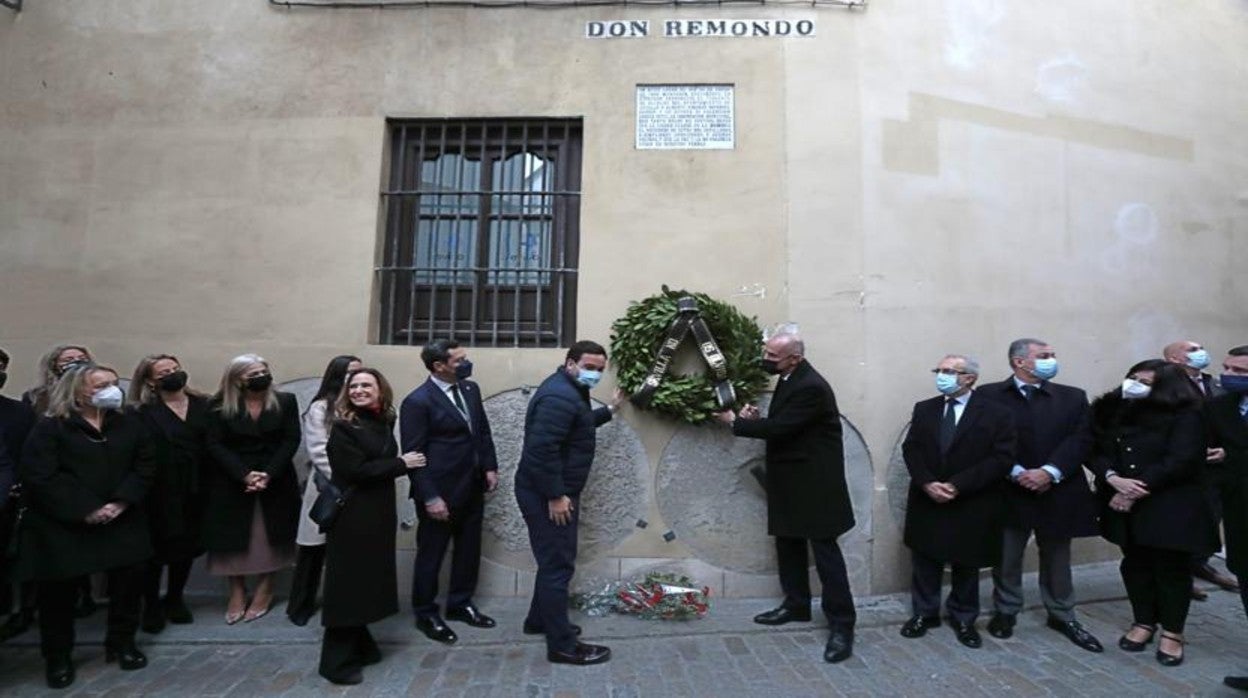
(657, 595)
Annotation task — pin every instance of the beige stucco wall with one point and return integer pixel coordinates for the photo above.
(920, 177)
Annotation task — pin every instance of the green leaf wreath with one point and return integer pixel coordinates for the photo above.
(636, 337)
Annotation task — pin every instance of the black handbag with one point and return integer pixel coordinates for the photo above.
(329, 502)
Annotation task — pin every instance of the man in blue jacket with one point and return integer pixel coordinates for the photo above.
(445, 419)
(554, 465)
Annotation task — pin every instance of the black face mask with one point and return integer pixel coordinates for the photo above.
(4, 376)
(172, 382)
(259, 383)
(61, 371)
(769, 366)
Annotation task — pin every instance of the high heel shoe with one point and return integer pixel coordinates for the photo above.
(1129, 645)
(232, 617)
(1165, 659)
(253, 615)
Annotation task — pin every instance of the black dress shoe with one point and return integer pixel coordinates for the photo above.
(840, 646)
(470, 615)
(153, 618)
(127, 656)
(967, 634)
(535, 630)
(1239, 683)
(177, 612)
(355, 677)
(782, 615)
(436, 630)
(1001, 626)
(1076, 634)
(918, 625)
(59, 671)
(581, 655)
(17, 624)
(1126, 644)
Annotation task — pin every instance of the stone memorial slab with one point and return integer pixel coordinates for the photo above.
(685, 117)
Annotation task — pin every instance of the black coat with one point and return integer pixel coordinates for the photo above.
(458, 456)
(1053, 428)
(559, 437)
(361, 584)
(806, 492)
(1165, 449)
(240, 445)
(967, 530)
(1228, 430)
(16, 420)
(69, 470)
(176, 503)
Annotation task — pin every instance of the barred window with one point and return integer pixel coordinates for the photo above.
(481, 237)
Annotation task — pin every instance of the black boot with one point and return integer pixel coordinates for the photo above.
(59, 671)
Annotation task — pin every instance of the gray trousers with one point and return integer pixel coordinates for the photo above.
(1057, 589)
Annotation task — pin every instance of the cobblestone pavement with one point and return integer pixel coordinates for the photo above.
(722, 655)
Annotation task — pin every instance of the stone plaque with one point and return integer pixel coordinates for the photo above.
(685, 117)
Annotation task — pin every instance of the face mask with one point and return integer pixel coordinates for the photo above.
(769, 366)
(1045, 369)
(109, 398)
(946, 384)
(258, 383)
(1235, 383)
(4, 376)
(1135, 390)
(588, 378)
(172, 382)
(1198, 359)
(63, 369)
(463, 370)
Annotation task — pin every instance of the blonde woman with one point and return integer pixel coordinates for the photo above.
(252, 505)
(86, 471)
(177, 419)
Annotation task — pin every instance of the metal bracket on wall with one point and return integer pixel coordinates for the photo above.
(15, 5)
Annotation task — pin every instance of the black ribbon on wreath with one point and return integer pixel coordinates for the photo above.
(688, 319)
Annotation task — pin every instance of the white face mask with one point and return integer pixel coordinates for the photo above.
(109, 398)
(1135, 390)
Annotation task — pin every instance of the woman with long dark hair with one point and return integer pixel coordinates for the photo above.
(177, 418)
(361, 584)
(252, 507)
(86, 470)
(310, 558)
(1149, 457)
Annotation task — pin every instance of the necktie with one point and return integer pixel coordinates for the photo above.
(948, 426)
(1243, 408)
(1028, 391)
(458, 400)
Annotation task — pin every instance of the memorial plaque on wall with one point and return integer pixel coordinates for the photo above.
(685, 117)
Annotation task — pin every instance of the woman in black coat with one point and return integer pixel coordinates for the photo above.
(177, 419)
(86, 470)
(252, 505)
(360, 577)
(1149, 457)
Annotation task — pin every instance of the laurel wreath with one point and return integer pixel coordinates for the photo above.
(635, 338)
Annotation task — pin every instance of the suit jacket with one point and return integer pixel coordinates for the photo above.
(1052, 428)
(968, 530)
(1228, 430)
(458, 455)
(806, 492)
(237, 446)
(1164, 448)
(1212, 388)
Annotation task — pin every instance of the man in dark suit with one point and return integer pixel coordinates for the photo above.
(1048, 492)
(558, 451)
(1194, 359)
(958, 450)
(807, 498)
(445, 419)
(16, 420)
(1226, 418)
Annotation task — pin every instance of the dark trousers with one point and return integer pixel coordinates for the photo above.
(56, 610)
(179, 573)
(1159, 585)
(1057, 588)
(432, 538)
(345, 651)
(554, 549)
(962, 605)
(837, 600)
(306, 581)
